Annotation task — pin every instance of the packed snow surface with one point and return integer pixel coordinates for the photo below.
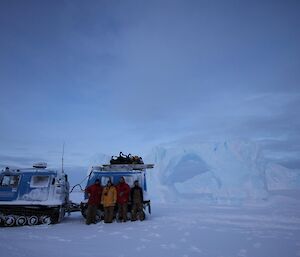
(183, 230)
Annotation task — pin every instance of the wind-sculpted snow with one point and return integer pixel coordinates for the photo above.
(232, 171)
(281, 178)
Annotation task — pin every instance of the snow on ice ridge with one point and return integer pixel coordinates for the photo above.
(214, 171)
(281, 178)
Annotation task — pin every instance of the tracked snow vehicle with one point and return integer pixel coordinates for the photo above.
(32, 196)
(131, 168)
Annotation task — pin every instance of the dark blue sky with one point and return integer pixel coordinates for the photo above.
(106, 76)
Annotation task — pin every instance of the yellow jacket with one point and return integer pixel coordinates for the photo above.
(109, 196)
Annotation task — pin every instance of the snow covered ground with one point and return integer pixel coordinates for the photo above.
(268, 230)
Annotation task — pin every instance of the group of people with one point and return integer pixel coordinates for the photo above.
(110, 196)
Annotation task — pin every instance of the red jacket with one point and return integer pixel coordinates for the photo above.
(94, 192)
(123, 191)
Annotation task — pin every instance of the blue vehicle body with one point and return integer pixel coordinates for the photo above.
(32, 196)
(130, 172)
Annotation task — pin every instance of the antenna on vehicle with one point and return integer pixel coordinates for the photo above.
(62, 158)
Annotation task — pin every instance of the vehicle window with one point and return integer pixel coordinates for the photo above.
(139, 179)
(140, 182)
(14, 181)
(129, 180)
(5, 181)
(10, 180)
(104, 180)
(39, 181)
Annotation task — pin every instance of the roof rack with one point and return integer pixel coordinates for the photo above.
(121, 167)
(40, 165)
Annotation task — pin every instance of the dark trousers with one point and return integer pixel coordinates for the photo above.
(91, 214)
(136, 208)
(122, 211)
(108, 214)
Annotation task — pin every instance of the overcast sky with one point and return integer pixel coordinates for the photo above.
(106, 76)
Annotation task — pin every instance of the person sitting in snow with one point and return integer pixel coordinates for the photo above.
(94, 193)
(137, 200)
(108, 199)
(123, 191)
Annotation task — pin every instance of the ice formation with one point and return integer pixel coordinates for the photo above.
(216, 171)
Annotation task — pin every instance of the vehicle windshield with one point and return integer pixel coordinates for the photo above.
(10, 181)
(129, 180)
(104, 180)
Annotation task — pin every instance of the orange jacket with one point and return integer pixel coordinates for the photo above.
(109, 196)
